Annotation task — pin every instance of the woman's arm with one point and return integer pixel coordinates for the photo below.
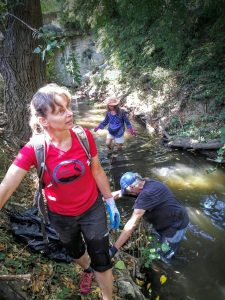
(126, 120)
(100, 178)
(104, 122)
(103, 185)
(10, 183)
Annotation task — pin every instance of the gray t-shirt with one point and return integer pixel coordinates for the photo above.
(163, 211)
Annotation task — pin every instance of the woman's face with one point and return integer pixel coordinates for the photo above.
(112, 107)
(61, 117)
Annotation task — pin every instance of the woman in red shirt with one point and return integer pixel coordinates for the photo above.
(73, 188)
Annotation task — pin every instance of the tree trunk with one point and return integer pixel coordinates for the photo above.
(22, 70)
(189, 143)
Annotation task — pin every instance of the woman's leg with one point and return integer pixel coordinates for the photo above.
(119, 142)
(109, 143)
(105, 280)
(96, 236)
(70, 235)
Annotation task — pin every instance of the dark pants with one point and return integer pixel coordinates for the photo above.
(91, 229)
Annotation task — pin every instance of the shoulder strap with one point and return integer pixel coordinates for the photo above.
(83, 139)
(38, 142)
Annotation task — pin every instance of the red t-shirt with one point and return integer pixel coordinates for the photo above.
(70, 188)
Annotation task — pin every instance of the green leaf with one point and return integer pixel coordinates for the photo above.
(120, 265)
(37, 50)
(2, 255)
(53, 43)
(165, 247)
(222, 134)
(152, 250)
(152, 256)
(49, 46)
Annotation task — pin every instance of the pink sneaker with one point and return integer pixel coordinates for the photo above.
(85, 282)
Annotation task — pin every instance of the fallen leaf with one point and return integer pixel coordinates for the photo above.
(148, 285)
(120, 265)
(97, 291)
(139, 282)
(163, 279)
(68, 282)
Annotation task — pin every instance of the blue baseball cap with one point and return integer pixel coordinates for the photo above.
(128, 179)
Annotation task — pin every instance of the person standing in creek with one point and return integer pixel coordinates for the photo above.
(115, 119)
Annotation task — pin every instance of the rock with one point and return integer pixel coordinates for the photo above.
(127, 289)
(92, 92)
(86, 77)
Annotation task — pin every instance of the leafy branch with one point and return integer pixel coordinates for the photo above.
(50, 42)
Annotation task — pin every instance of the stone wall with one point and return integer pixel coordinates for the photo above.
(83, 46)
(87, 54)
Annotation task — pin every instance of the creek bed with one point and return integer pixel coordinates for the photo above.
(198, 270)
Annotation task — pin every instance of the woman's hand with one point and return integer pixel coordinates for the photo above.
(113, 212)
(132, 131)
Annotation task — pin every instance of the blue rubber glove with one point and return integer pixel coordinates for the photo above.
(113, 212)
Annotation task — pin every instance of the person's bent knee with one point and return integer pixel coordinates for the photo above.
(98, 251)
(101, 261)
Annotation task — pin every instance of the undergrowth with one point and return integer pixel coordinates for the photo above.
(185, 38)
(49, 279)
(203, 128)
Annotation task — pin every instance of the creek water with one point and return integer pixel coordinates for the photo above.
(198, 270)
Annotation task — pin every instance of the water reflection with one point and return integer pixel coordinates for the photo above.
(183, 176)
(198, 270)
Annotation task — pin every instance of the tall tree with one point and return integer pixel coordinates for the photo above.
(22, 70)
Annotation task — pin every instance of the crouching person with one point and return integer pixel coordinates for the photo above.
(156, 203)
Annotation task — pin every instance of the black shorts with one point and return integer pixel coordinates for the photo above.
(91, 229)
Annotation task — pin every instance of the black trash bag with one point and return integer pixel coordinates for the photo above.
(26, 227)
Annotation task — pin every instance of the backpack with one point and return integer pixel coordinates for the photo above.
(40, 152)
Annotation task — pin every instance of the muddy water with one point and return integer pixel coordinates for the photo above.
(198, 271)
